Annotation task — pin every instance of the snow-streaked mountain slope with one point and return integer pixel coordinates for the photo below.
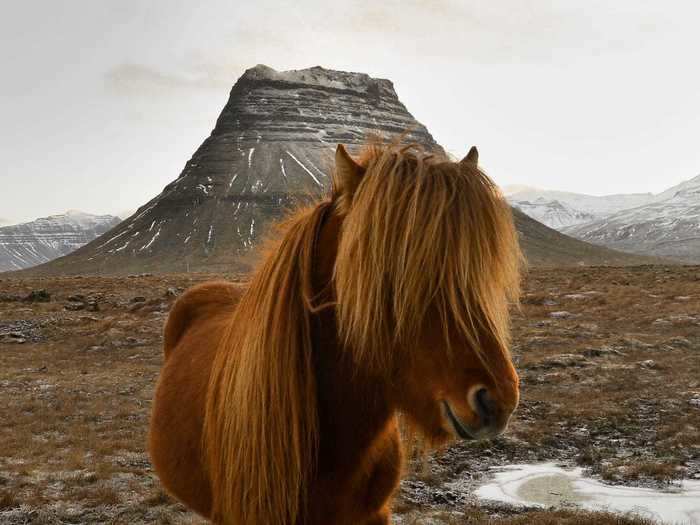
(270, 151)
(668, 226)
(31, 243)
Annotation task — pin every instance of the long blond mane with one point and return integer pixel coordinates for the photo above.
(419, 232)
(423, 232)
(260, 431)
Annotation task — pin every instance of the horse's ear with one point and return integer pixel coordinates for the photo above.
(472, 157)
(347, 175)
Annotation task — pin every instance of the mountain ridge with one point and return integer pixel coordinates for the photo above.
(270, 150)
(44, 239)
(668, 226)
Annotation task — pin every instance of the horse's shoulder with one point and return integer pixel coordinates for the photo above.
(202, 301)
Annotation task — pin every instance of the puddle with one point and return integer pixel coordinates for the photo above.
(548, 485)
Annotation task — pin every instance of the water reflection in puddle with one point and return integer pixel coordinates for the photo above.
(548, 485)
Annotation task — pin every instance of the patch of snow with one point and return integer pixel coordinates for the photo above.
(284, 173)
(145, 247)
(546, 485)
(305, 169)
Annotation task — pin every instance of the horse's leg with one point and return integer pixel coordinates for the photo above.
(384, 477)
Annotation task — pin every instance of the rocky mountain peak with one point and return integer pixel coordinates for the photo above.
(315, 105)
(318, 76)
(271, 148)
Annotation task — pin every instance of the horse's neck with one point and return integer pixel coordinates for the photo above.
(353, 407)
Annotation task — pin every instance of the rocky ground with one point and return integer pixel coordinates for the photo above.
(609, 360)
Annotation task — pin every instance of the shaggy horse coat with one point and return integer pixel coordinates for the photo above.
(278, 402)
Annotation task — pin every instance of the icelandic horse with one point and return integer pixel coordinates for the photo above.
(278, 402)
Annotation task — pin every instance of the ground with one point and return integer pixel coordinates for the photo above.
(609, 360)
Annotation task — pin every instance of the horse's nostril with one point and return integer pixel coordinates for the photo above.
(485, 406)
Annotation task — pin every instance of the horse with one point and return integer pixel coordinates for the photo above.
(279, 402)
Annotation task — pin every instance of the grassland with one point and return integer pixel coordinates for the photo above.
(609, 360)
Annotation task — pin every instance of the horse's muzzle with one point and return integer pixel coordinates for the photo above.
(492, 419)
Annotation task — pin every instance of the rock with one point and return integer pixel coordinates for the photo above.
(649, 364)
(38, 296)
(13, 337)
(562, 315)
(129, 342)
(682, 318)
(92, 306)
(563, 361)
(171, 292)
(694, 401)
(679, 341)
(74, 307)
(636, 343)
(20, 331)
(138, 299)
(602, 351)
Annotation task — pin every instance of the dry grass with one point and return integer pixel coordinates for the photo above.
(77, 394)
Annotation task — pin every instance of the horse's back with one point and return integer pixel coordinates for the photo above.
(204, 301)
(192, 333)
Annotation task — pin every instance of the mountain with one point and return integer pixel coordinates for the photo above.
(271, 148)
(668, 226)
(559, 209)
(31, 243)
(545, 246)
(552, 212)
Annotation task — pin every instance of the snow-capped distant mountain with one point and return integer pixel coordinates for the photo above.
(667, 226)
(551, 212)
(598, 206)
(31, 243)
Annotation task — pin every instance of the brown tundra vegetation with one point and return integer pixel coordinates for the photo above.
(609, 360)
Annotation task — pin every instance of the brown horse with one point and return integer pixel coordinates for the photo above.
(278, 402)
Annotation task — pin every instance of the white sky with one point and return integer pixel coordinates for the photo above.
(101, 103)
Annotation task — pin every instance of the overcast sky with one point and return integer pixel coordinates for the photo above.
(101, 103)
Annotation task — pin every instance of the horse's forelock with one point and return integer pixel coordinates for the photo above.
(425, 232)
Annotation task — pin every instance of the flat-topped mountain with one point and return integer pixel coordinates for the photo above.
(272, 147)
(36, 242)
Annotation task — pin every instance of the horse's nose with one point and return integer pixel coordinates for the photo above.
(486, 407)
